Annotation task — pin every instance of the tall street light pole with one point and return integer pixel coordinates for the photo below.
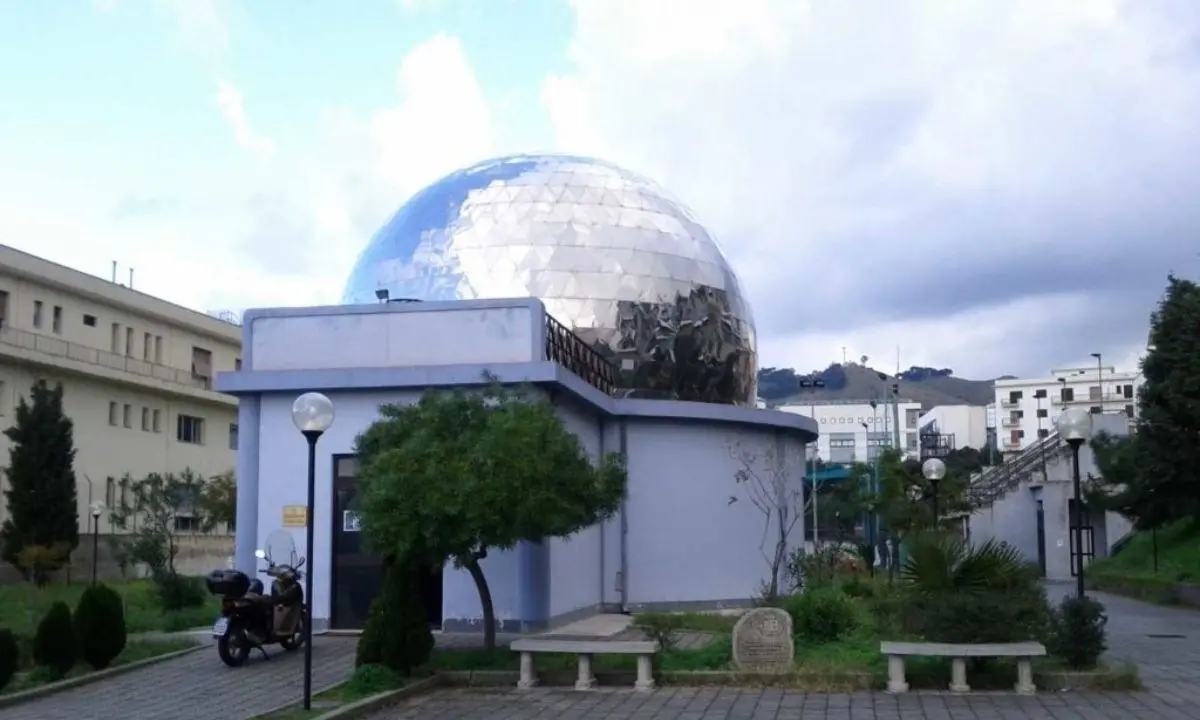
(812, 384)
(1100, 377)
(1075, 426)
(934, 470)
(97, 509)
(313, 414)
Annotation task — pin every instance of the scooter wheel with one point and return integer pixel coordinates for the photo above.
(294, 642)
(233, 647)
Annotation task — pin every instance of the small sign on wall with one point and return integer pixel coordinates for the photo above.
(295, 516)
(350, 521)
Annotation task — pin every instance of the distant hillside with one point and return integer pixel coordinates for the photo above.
(928, 386)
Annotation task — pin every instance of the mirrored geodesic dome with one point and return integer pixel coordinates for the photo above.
(611, 254)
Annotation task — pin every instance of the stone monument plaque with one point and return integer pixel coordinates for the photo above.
(762, 641)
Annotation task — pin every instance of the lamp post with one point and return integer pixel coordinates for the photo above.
(934, 470)
(813, 383)
(1075, 426)
(313, 414)
(1100, 377)
(97, 509)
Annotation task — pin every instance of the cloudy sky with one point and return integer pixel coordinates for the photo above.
(997, 186)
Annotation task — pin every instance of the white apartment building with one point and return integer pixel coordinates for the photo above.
(967, 425)
(856, 430)
(1027, 407)
(136, 373)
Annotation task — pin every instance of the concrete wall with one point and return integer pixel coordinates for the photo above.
(198, 555)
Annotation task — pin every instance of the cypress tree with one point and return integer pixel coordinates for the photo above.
(41, 476)
(1167, 443)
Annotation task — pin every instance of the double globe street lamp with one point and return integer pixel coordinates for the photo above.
(313, 414)
(1075, 427)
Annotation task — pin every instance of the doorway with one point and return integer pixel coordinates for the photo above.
(356, 574)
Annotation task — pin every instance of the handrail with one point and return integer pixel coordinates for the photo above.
(94, 356)
(995, 482)
(569, 350)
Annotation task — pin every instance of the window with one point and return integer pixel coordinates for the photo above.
(1043, 412)
(201, 366)
(1093, 392)
(1015, 396)
(156, 421)
(116, 337)
(1014, 437)
(145, 419)
(3, 306)
(127, 416)
(1095, 409)
(56, 319)
(190, 430)
(1039, 394)
(911, 418)
(112, 413)
(233, 436)
(146, 347)
(186, 523)
(158, 349)
(237, 363)
(89, 320)
(128, 342)
(1067, 394)
(1127, 392)
(910, 441)
(1043, 433)
(110, 492)
(37, 313)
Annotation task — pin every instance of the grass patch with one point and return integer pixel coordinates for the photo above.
(22, 606)
(1178, 555)
(135, 651)
(693, 621)
(344, 694)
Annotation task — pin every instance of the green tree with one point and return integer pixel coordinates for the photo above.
(1167, 443)
(218, 502)
(905, 498)
(458, 474)
(41, 476)
(1120, 487)
(149, 519)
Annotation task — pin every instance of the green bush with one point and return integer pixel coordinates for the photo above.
(857, 586)
(10, 656)
(54, 645)
(100, 626)
(371, 680)
(397, 633)
(176, 592)
(822, 614)
(1079, 637)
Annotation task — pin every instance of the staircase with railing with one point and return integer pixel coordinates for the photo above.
(995, 482)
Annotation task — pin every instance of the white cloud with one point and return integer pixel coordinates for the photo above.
(921, 173)
(233, 108)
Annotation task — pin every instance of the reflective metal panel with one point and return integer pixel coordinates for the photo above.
(612, 255)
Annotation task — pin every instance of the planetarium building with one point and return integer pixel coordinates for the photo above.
(588, 282)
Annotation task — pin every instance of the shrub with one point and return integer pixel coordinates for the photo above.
(38, 561)
(10, 656)
(660, 627)
(100, 626)
(822, 567)
(1079, 632)
(857, 586)
(372, 680)
(822, 614)
(176, 592)
(397, 633)
(54, 644)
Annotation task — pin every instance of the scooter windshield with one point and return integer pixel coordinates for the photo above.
(281, 548)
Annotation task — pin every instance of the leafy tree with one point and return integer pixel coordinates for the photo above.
(397, 634)
(218, 502)
(844, 502)
(905, 498)
(459, 474)
(1165, 448)
(157, 500)
(42, 501)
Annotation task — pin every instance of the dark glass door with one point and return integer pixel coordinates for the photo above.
(357, 574)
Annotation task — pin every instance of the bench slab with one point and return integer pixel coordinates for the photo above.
(963, 650)
(585, 647)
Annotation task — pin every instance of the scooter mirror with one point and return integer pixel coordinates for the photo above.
(260, 554)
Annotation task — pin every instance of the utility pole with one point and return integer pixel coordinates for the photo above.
(1100, 378)
(813, 383)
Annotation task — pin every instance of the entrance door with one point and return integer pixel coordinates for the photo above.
(357, 574)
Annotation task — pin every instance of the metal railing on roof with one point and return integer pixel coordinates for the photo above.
(569, 350)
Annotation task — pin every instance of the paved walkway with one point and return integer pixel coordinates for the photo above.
(1170, 667)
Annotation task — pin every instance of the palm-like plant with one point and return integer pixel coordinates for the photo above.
(939, 562)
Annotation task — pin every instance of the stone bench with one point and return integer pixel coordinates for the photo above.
(585, 649)
(958, 654)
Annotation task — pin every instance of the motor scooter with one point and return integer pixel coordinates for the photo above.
(251, 619)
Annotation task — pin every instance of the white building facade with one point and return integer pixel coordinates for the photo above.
(857, 430)
(1026, 407)
(967, 425)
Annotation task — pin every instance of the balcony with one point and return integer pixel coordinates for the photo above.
(1009, 422)
(1011, 445)
(1108, 399)
(59, 353)
(1010, 404)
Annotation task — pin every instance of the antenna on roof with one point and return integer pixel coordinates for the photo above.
(114, 272)
(130, 278)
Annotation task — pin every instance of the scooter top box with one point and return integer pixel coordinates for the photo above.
(229, 583)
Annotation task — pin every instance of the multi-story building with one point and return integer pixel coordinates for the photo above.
(1027, 407)
(963, 425)
(137, 375)
(857, 430)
